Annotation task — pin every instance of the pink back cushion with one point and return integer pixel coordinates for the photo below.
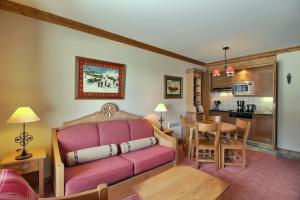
(13, 186)
(140, 128)
(113, 132)
(77, 137)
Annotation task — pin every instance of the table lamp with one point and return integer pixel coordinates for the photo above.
(161, 108)
(23, 115)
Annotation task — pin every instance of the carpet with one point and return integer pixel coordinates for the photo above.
(267, 177)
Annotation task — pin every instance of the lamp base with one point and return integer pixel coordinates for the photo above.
(23, 157)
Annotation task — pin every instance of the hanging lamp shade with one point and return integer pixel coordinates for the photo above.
(216, 73)
(230, 71)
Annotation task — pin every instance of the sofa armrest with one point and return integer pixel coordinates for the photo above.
(100, 193)
(57, 166)
(166, 140)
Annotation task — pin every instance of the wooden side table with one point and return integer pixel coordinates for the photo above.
(168, 131)
(35, 163)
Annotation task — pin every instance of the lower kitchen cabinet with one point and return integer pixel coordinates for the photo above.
(262, 127)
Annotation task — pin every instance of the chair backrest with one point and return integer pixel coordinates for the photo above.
(209, 128)
(183, 120)
(243, 127)
(217, 119)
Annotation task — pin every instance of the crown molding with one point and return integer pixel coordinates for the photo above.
(254, 56)
(55, 19)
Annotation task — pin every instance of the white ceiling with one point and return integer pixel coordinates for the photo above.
(194, 28)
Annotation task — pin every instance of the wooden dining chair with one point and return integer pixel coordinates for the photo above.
(204, 144)
(217, 119)
(236, 145)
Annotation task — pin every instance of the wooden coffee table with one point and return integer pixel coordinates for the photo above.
(181, 182)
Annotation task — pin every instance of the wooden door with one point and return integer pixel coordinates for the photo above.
(262, 126)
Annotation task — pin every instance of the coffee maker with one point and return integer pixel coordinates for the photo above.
(251, 108)
(240, 106)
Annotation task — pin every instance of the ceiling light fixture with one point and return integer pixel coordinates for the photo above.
(229, 70)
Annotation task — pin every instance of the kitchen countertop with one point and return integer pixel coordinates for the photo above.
(255, 113)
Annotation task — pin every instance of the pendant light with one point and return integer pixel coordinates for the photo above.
(229, 70)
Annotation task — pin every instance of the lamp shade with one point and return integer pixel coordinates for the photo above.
(230, 71)
(161, 108)
(23, 115)
(216, 73)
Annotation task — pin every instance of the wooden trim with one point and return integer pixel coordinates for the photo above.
(57, 166)
(275, 103)
(251, 63)
(255, 56)
(55, 19)
(100, 193)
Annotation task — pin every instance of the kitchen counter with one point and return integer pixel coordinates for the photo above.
(255, 113)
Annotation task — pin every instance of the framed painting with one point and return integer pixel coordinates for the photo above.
(173, 87)
(97, 79)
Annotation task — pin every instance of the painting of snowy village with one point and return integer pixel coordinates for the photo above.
(173, 87)
(98, 79)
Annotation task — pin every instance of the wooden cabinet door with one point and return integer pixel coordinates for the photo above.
(226, 82)
(264, 84)
(215, 82)
(243, 75)
(221, 81)
(262, 126)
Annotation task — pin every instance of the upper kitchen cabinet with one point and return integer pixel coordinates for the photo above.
(243, 75)
(263, 78)
(221, 82)
(264, 81)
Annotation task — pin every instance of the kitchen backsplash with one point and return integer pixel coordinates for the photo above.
(228, 101)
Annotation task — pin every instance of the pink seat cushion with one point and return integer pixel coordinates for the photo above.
(149, 158)
(113, 132)
(77, 137)
(13, 186)
(87, 176)
(140, 128)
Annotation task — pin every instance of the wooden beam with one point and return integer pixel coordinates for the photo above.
(55, 19)
(254, 56)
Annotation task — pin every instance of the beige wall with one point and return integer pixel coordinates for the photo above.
(37, 62)
(288, 131)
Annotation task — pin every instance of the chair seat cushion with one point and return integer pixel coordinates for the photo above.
(87, 176)
(149, 158)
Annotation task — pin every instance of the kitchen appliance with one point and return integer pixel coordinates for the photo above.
(240, 106)
(243, 89)
(216, 104)
(251, 108)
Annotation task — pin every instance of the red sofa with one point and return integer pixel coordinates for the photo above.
(114, 169)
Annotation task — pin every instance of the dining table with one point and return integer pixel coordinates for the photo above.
(226, 128)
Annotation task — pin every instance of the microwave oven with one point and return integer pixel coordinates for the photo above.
(243, 89)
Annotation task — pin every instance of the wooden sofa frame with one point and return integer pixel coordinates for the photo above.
(109, 112)
(100, 193)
